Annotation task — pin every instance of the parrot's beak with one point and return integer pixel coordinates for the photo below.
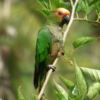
(65, 19)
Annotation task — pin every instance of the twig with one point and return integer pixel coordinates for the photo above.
(64, 37)
(71, 3)
(82, 19)
(71, 20)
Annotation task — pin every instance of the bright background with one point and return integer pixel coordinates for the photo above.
(19, 26)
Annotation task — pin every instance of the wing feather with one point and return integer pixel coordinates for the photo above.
(43, 46)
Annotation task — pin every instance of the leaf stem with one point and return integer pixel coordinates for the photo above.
(71, 53)
(86, 17)
(82, 19)
(71, 2)
(77, 15)
(98, 17)
(68, 59)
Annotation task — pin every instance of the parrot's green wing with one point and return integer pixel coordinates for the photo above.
(43, 45)
(43, 48)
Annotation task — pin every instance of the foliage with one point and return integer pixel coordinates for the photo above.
(87, 7)
(83, 5)
(20, 96)
(50, 6)
(35, 97)
(78, 90)
(83, 40)
(94, 74)
(61, 91)
(22, 50)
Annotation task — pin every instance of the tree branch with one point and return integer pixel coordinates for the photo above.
(71, 3)
(71, 20)
(64, 37)
(82, 19)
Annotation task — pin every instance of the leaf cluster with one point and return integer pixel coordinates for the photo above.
(84, 6)
(80, 89)
(49, 6)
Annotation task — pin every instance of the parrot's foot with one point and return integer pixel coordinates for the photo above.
(52, 67)
(63, 52)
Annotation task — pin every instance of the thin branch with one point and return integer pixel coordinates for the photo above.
(71, 20)
(71, 3)
(46, 80)
(64, 37)
(82, 19)
(75, 3)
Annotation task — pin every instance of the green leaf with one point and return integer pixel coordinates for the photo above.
(59, 96)
(69, 84)
(35, 97)
(82, 88)
(86, 3)
(93, 2)
(70, 96)
(93, 73)
(61, 90)
(45, 12)
(68, 6)
(94, 89)
(90, 8)
(75, 92)
(78, 98)
(97, 7)
(19, 94)
(44, 3)
(55, 3)
(83, 40)
(79, 6)
(85, 6)
(58, 3)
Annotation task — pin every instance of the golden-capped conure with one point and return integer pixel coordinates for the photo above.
(49, 43)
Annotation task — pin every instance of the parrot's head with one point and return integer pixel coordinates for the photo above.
(63, 16)
(59, 17)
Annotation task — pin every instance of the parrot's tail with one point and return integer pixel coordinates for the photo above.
(41, 80)
(35, 79)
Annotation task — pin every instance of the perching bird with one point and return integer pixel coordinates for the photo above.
(49, 43)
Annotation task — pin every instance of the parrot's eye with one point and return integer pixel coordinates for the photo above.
(59, 13)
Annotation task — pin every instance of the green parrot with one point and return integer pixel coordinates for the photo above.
(49, 43)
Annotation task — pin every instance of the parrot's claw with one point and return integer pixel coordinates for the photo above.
(63, 52)
(52, 67)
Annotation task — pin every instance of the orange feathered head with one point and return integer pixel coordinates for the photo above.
(63, 14)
